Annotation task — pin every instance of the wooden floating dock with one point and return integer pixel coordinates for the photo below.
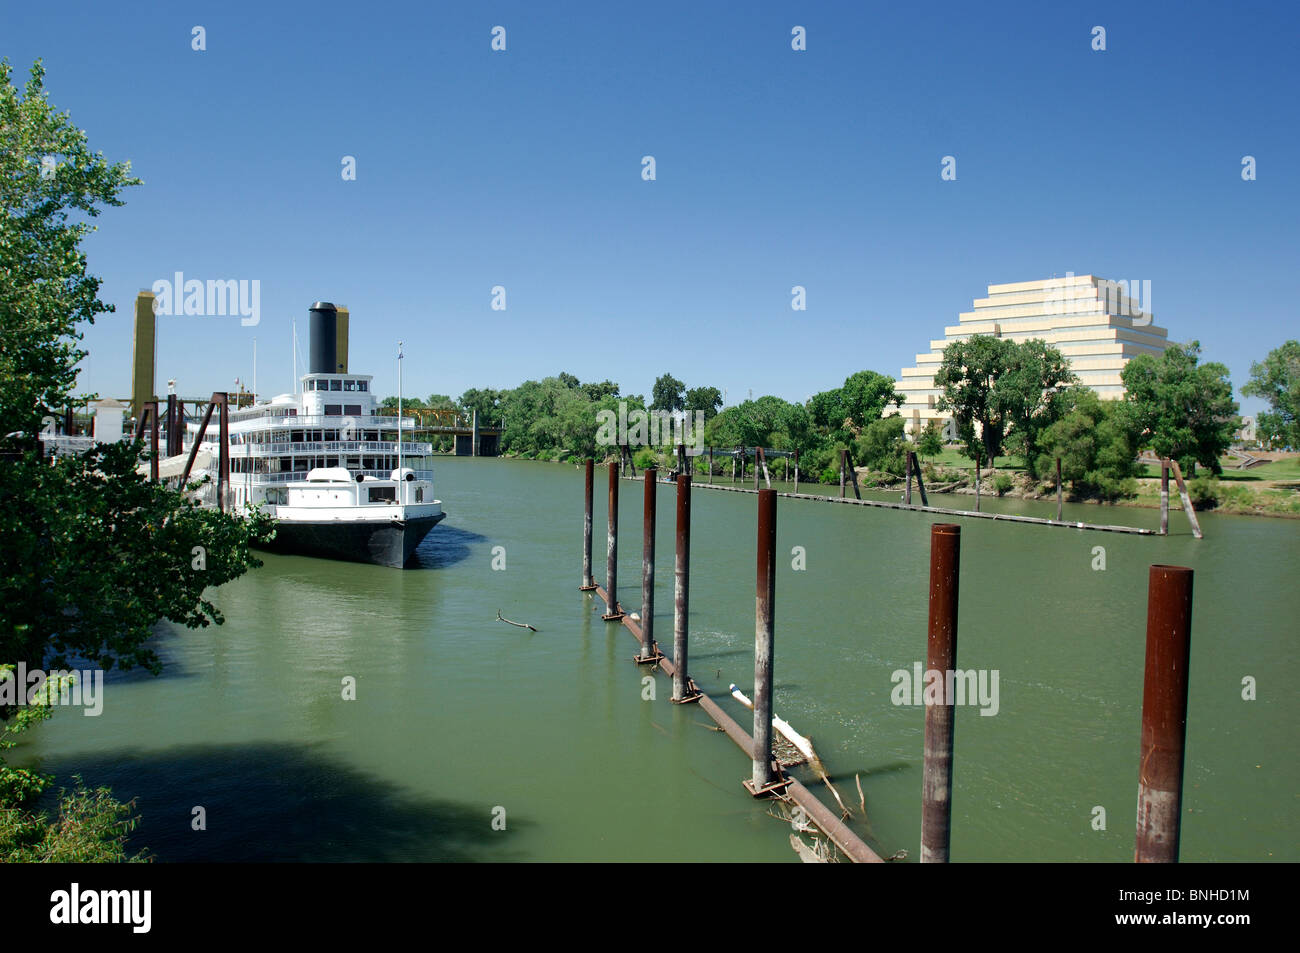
(818, 813)
(943, 510)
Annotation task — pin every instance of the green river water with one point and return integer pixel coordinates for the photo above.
(457, 715)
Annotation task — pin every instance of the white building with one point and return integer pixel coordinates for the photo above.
(1093, 322)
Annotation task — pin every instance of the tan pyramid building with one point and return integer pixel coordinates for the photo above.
(1092, 321)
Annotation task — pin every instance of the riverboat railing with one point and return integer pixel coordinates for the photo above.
(264, 479)
(280, 448)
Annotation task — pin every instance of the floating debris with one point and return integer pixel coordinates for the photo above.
(522, 625)
(799, 742)
(806, 853)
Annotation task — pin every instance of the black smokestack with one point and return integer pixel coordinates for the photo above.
(323, 354)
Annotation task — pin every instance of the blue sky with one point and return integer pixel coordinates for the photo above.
(775, 168)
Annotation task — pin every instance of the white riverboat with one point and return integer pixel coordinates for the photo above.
(341, 480)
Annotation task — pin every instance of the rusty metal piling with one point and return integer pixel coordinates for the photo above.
(764, 639)
(683, 688)
(649, 652)
(1164, 714)
(588, 583)
(612, 611)
(941, 656)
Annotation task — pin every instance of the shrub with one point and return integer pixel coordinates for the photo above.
(1109, 487)
(882, 446)
(1205, 492)
(814, 461)
(1096, 445)
(91, 827)
(1002, 483)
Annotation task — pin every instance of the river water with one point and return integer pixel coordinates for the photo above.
(460, 721)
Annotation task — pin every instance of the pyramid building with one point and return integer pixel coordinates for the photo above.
(1094, 323)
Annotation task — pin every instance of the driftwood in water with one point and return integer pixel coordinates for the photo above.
(806, 853)
(797, 741)
(826, 778)
(522, 625)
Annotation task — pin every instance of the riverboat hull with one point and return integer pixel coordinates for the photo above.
(379, 542)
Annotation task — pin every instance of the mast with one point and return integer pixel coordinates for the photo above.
(294, 324)
(400, 481)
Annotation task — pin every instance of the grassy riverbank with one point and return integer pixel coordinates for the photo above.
(1268, 489)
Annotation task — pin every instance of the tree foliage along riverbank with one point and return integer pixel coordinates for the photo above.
(92, 555)
(1005, 398)
(559, 417)
(1277, 380)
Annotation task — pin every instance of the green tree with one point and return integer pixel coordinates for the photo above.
(930, 441)
(796, 431)
(526, 413)
(968, 375)
(866, 395)
(1028, 394)
(1011, 390)
(705, 399)
(486, 401)
(1179, 407)
(763, 422)
(668, 394)
(550, 418)
(1096, 443)
(1277, 380)
(599, 391)
(827, 410)
(92, 555)
(883, 445)
(51, 184)
(845, 410)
